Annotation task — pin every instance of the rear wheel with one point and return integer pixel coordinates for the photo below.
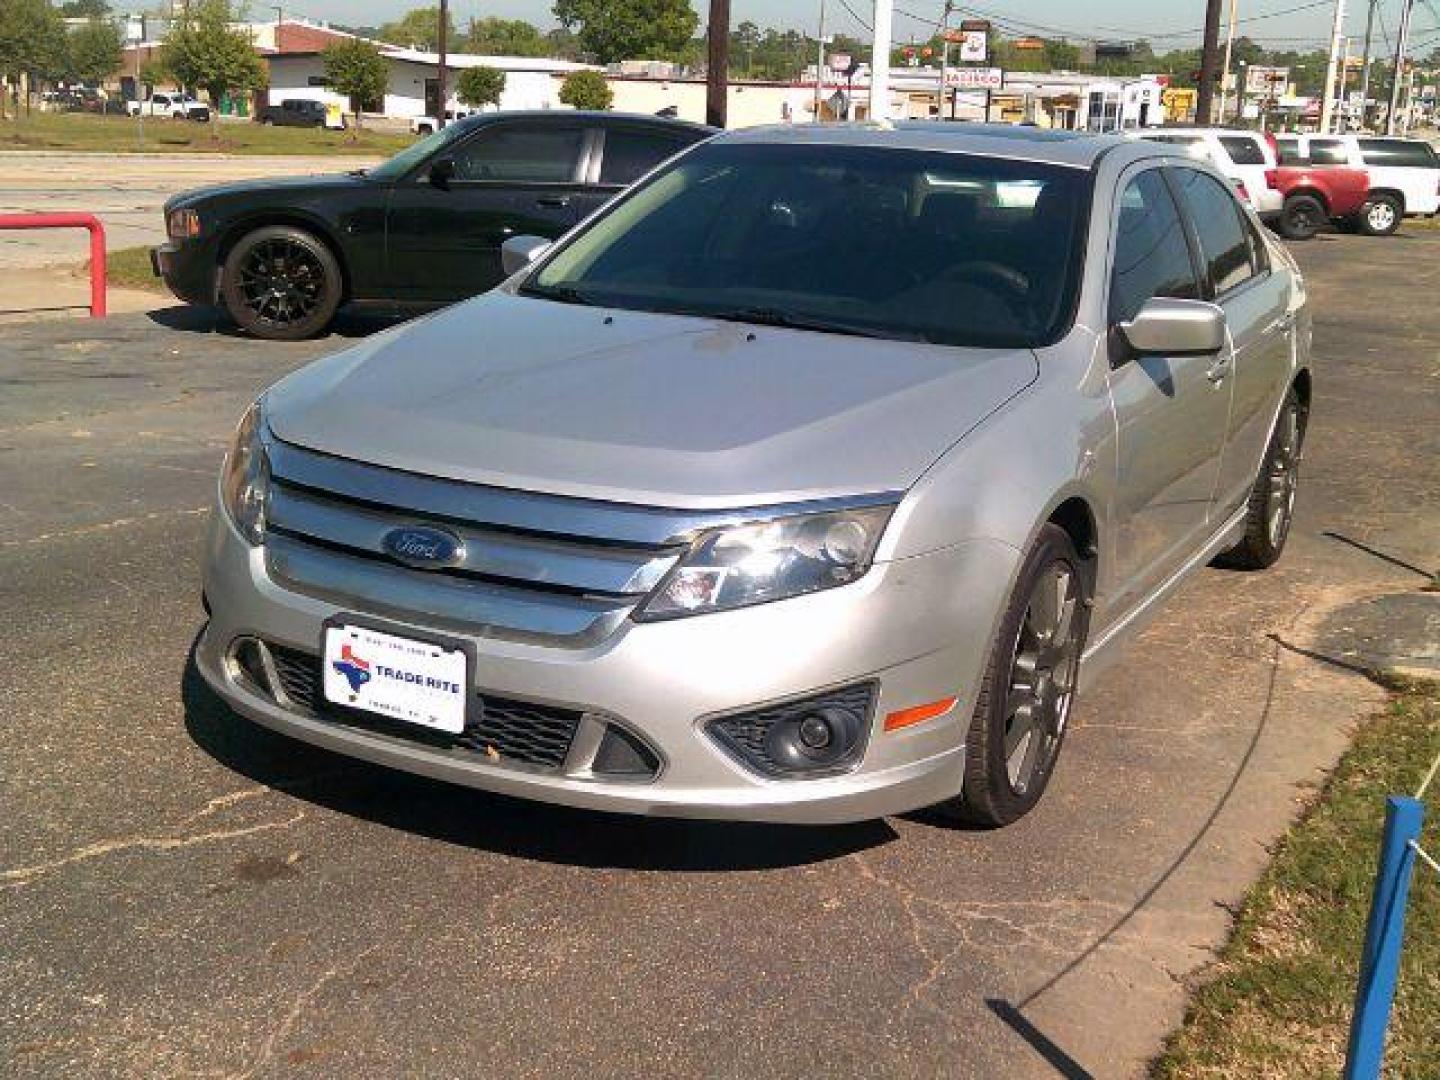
(1023, 705)
(281, 283)
(1272, 500)
(1381, 215)
(1302, 217)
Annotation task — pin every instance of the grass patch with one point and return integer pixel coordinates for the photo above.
(118, 134)
(129, 268)
(1280, 1000)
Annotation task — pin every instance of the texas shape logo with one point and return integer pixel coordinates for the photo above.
(355, 670)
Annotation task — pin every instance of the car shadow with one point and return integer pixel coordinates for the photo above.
(353, 322)
(486, 822)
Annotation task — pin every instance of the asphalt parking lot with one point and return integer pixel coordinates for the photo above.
(182, 892)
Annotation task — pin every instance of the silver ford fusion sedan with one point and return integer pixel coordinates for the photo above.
(802, 484)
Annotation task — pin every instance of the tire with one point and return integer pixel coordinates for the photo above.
(1271, 509)
(1028, 686)
(1381, 215)
(1301, 218)
(281, 284)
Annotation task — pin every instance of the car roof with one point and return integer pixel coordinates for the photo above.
(1017, 142)
(591, 115)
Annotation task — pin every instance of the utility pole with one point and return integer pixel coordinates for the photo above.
(1229, 52)
(717, 72)
(820, 61)
(1209, 62)
(880, 60)
(1365, 67)
(1327, 103)
(944, 97)
(1396, 82)
(444, 94)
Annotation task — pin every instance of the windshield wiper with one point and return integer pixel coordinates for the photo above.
(564, 294)
(763, 316)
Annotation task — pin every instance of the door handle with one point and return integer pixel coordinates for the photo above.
(557, 202)
(1219, 369)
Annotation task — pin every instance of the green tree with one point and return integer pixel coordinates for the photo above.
(32, 41)
(612, 30)
(203, 51)
(94, 51)
(355, 68)
(478, 86)
(505, 37)
(419, 29)
(84, 9)
(586, 90)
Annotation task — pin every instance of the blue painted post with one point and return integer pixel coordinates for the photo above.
(1380, 962)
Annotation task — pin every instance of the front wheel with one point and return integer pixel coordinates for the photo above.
(281, 283)
(1272, 500)
(1301, 218)
(1024, 699)
(1381, 215)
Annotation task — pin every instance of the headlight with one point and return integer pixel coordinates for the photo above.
(183, 224)
(245, 477)
(770, 560)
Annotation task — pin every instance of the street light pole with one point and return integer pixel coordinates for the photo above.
(819, 60)
(1229, 53)
(880, 60)
(1396, 83)
(1327, 103)
(1365, 67)
(440, 80)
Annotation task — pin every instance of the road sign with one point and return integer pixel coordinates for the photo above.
(1267, 81)
(840, 61)
(974, 79)
(974, 41)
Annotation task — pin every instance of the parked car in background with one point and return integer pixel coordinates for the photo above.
(1316, 194)
(175, 106)
(1404, 174)
(426, 125)
(425, 227)
(804, 483)
(302, 112)
(1243, 156)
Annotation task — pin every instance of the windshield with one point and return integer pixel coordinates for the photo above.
(407, 159)
(905, 244)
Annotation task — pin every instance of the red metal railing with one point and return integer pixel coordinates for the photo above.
(72, 221)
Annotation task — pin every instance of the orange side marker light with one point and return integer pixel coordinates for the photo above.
(919, 714)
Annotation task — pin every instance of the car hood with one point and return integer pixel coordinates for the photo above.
(659, 410)
(285, 187)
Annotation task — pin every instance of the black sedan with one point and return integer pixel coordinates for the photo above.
(425, 227)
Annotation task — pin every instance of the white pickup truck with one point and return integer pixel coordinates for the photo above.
(175, 106)
(426, 125)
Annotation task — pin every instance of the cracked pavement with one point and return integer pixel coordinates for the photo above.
(184, 893)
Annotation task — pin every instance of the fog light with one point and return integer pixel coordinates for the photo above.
(817, 736)
(815, 732)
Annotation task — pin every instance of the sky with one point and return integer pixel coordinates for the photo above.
(1302, 24)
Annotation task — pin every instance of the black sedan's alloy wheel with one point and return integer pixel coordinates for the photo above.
(281, 283)
(1029, 685)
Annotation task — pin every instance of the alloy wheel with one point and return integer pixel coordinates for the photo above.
(1284, 477)
(282, 281)
(1380, 216)
(1042, 677)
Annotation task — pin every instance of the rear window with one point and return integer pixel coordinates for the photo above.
(1398, 153)
(1243, 150)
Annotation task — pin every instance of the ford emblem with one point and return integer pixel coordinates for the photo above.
(423, 546)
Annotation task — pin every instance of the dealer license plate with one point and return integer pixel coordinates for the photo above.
(417, 682)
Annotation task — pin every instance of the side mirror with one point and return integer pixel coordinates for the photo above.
(442, 171)
(520, 251)
(1167, 327)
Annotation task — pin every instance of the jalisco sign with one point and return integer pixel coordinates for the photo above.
(974, 79)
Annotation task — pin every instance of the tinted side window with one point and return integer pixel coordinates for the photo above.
(1243, 150)
(1152, 257)
(1224, 245)
(535, 155)
(1328, 152)
(632, 152)
(1289, 152)
(1404, 153)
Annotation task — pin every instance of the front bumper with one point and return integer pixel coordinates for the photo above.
(188, 269)
(921, 628)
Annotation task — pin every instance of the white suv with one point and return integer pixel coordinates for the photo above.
(1404, 173)
(1243, 156)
